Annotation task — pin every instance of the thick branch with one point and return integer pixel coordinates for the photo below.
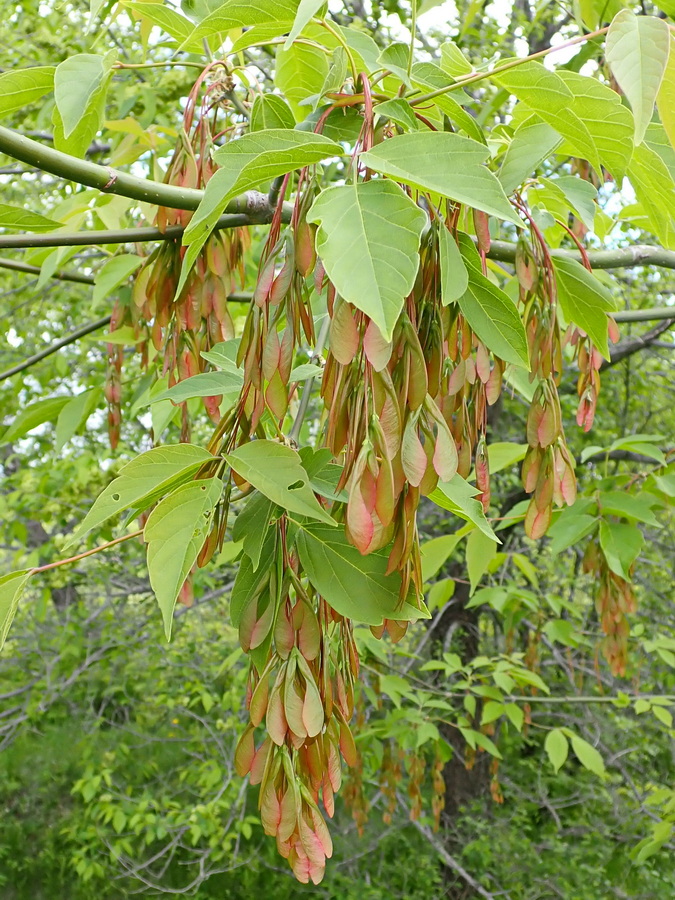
(112, 181)
(632, 345)
(645, 315)
(637, 255)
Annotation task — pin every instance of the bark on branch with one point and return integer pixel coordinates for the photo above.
(253, 204)
(632, 345)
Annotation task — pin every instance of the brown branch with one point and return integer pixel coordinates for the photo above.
(68, 339)
(241, 297)
(625, 349)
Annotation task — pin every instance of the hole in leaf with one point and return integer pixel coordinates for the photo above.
(296, 485)
(116, 497)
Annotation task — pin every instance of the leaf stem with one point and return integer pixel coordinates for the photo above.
(72, 559)
(413, 29)
(345, 46)
(321, 338)
(158, 65)
(511, 64)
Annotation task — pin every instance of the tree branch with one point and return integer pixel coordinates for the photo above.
(118, 236)
(111, 181)
(18, 266)
(241, 297)
(625, 258)
(632, 345)
(68, 339)
(644, 315)
(451, 862)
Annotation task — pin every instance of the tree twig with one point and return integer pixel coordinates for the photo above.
(628, 347)
(241, 297)
(53, 348)
(18, 266)
(451, 862)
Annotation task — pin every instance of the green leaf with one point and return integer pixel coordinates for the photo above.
(11, 589)
(400, 112)
(355, 586)
(609, 122)
(270, 111)
(493, 315)
(245, 164)
(557, 748)
(457, 496)
(453, 60)
(663, 715)
(175, 532)
(21, 87)
(580, 195)
(428, 76)
(545, 93)
(454, 274)
(666, 483)
(142, 481)
(250, 576)
(243, 14)
(504, 454)
(251, 526)
(584, 301)
(78, 82)
(515, 715)
(337, 72)
(533, 142)
(305, 371)
(665, 99)
(113, 273)
(569, 529)
(74, 414)
(435, 552)
(636, 50)
(300, 74)
(563, 632)
(395, 59)
(480, 551)
(482, 740)
(621, 545)
(307, 9)
(492, 710)
(445, 163)
(36, 414)
(14, 217)
(277, 472)
(166, 17)
(206, 384)
(368, 241)
(259, 34)
(655, 190)
(588, 756)
(637, 507)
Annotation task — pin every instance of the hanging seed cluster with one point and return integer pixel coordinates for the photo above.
(614, 600)
(179, 328)
(399, 416)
